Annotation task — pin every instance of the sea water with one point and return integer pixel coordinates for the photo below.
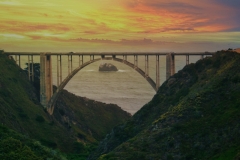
(126, 87)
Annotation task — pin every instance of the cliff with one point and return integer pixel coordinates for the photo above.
(194, 115)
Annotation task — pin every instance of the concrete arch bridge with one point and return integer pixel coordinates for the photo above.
(48, 98)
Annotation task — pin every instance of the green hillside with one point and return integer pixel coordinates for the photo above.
(194, 115)
(95, 119)
(21, 111)
(16, 146)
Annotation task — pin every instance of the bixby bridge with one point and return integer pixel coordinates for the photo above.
(48, 98)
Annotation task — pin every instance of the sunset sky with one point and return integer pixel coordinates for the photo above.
(119, 25)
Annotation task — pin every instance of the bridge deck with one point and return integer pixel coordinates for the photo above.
(109, 53)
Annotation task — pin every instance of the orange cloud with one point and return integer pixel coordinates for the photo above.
(124, 23)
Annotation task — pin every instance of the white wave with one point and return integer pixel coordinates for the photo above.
(90, 70)
(122, 70)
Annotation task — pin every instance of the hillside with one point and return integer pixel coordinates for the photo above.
(90, 118)
(16, 146)
(67, 130)
(194, 115)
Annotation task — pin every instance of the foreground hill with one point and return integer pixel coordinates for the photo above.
(14, 146)
(194, 115)
(76, 124)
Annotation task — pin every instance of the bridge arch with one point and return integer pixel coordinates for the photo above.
(53, 99)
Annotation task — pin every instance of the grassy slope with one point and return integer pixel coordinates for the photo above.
(16, 146)
(194, 115)
(21, 111)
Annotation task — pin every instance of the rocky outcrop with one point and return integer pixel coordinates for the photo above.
(107, 67)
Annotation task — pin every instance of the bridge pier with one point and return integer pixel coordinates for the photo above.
(187, 59)
(125, 58)
(170, 65)
(69, 64)
(135, 61)
(80, 60)
(46, 89)
(157, 72)
(59, 70)
(146, 66)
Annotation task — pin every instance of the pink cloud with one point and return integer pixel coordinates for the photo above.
(186, 15)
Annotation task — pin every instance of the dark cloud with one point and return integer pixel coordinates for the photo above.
(236, 29)
(231, 3)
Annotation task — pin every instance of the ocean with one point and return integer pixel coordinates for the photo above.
(126, 87)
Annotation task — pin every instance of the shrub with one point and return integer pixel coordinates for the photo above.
(40, 119)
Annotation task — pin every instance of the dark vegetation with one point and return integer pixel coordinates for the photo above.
(36, 76)
(194, 115)
(16, 146)
(74, 129)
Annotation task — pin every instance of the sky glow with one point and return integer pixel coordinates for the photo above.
(126, 25)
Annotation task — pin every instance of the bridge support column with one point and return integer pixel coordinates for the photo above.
(135, 61)
(91, 57)
(170, 65)
(187, 59)
(59, 70)
(146, 66)
(157, 72)
(124, 58)
(46, 89)
(69, 64)
(80, 60)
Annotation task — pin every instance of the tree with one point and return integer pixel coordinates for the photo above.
(36, 82)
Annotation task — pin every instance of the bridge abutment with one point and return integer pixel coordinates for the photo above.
(157, 72)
